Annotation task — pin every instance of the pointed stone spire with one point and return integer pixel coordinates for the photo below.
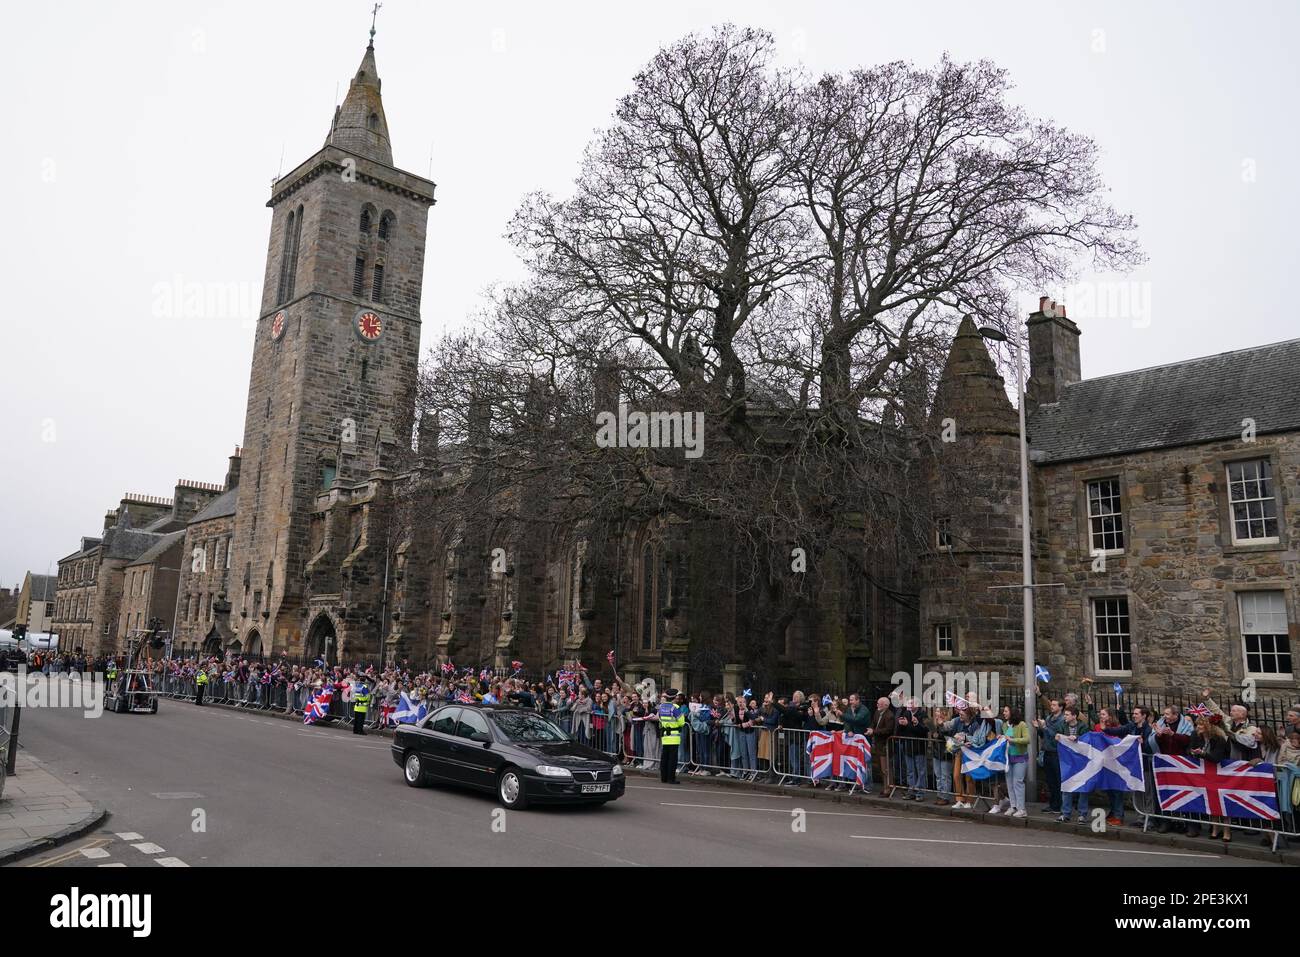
(970, 390)
(359, 124)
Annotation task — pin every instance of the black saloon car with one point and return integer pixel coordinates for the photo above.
(518, 754)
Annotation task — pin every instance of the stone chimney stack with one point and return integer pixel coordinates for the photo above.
(232, 473)
(1053, 352)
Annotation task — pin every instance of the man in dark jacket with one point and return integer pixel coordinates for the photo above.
(1049, 727)
(881, 730)
(911, 732)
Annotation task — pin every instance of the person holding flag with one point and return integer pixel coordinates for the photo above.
(1072, 728)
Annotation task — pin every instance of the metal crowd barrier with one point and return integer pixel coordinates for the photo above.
(925, 767)
(1287, 826)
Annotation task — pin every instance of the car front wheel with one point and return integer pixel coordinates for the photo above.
(510, 789)
(413, 770)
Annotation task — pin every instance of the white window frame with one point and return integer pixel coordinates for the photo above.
(1096, 646)
(1259, 479)
(942, 529)
(1244, 620)
(939, 639)
(1117, 514)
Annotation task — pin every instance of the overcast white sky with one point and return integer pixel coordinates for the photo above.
(143, 138)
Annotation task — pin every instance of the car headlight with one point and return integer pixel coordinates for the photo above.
(618, 771)
(547, 771)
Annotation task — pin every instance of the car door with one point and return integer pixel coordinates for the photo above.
(472, 751)
(436, 741)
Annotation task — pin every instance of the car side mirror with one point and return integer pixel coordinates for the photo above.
(487, 743)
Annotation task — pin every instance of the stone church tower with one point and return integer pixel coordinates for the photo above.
(335, 358)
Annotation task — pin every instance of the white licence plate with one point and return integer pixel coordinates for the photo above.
(595, 789)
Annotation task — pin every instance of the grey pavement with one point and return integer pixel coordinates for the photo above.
(213, 786)
(40, 809)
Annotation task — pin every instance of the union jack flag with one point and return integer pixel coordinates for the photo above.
(1199, 711)
(566, 677)
(318, 706)
(840, 754)
(1231, 789)
(610, 658)
(517, 666)
(465, 698)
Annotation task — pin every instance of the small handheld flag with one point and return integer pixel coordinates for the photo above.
(1119, 688)
(1042, 674)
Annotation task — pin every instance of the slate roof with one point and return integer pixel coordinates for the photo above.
(1183, 403)
(43, 587)
(154, 551)
(220, 507)
(128, 542)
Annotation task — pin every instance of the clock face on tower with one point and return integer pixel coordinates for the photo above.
(277, 327)
(369, 325)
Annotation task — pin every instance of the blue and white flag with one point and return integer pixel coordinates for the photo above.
(1119, 689)
(1042, 674)
(407, 711)
(1098, 762)
(986, 762)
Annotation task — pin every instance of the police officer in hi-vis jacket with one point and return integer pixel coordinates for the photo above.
(671, 718)
(360, 704)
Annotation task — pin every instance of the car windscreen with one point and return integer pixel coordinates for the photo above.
(527, 728)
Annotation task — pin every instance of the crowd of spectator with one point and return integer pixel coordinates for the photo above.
(915, 750)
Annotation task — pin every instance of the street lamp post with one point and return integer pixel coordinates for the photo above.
(1026, 562)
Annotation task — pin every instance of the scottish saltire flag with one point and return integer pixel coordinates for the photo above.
(407, 711)
(1231, 789)
(1042, 674)
(840, 754)
(986, 762)
(1118, 689)
(1098, 762)
(319, 705)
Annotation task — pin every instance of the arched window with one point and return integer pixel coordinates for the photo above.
(365, 221)
(386, 225)
(372, 122)
(377, 284)
(289, 258)
(653, 584)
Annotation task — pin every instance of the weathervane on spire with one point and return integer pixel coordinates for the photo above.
(373, 15)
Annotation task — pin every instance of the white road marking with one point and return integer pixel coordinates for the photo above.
(94, 852)
(775, 810)
(115, 864)
(170, 862)
(129, 836)
(148, 848)
(1051, 847)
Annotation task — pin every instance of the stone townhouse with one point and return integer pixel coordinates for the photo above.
(36, 603)
(92, 580)
(149, 586)
(1165, 518)
(201, 619)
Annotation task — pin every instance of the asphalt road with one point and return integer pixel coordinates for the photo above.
(273, 792)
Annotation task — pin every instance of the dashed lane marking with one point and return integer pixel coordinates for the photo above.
(170, 862)
(148, 847)
(129, 836)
